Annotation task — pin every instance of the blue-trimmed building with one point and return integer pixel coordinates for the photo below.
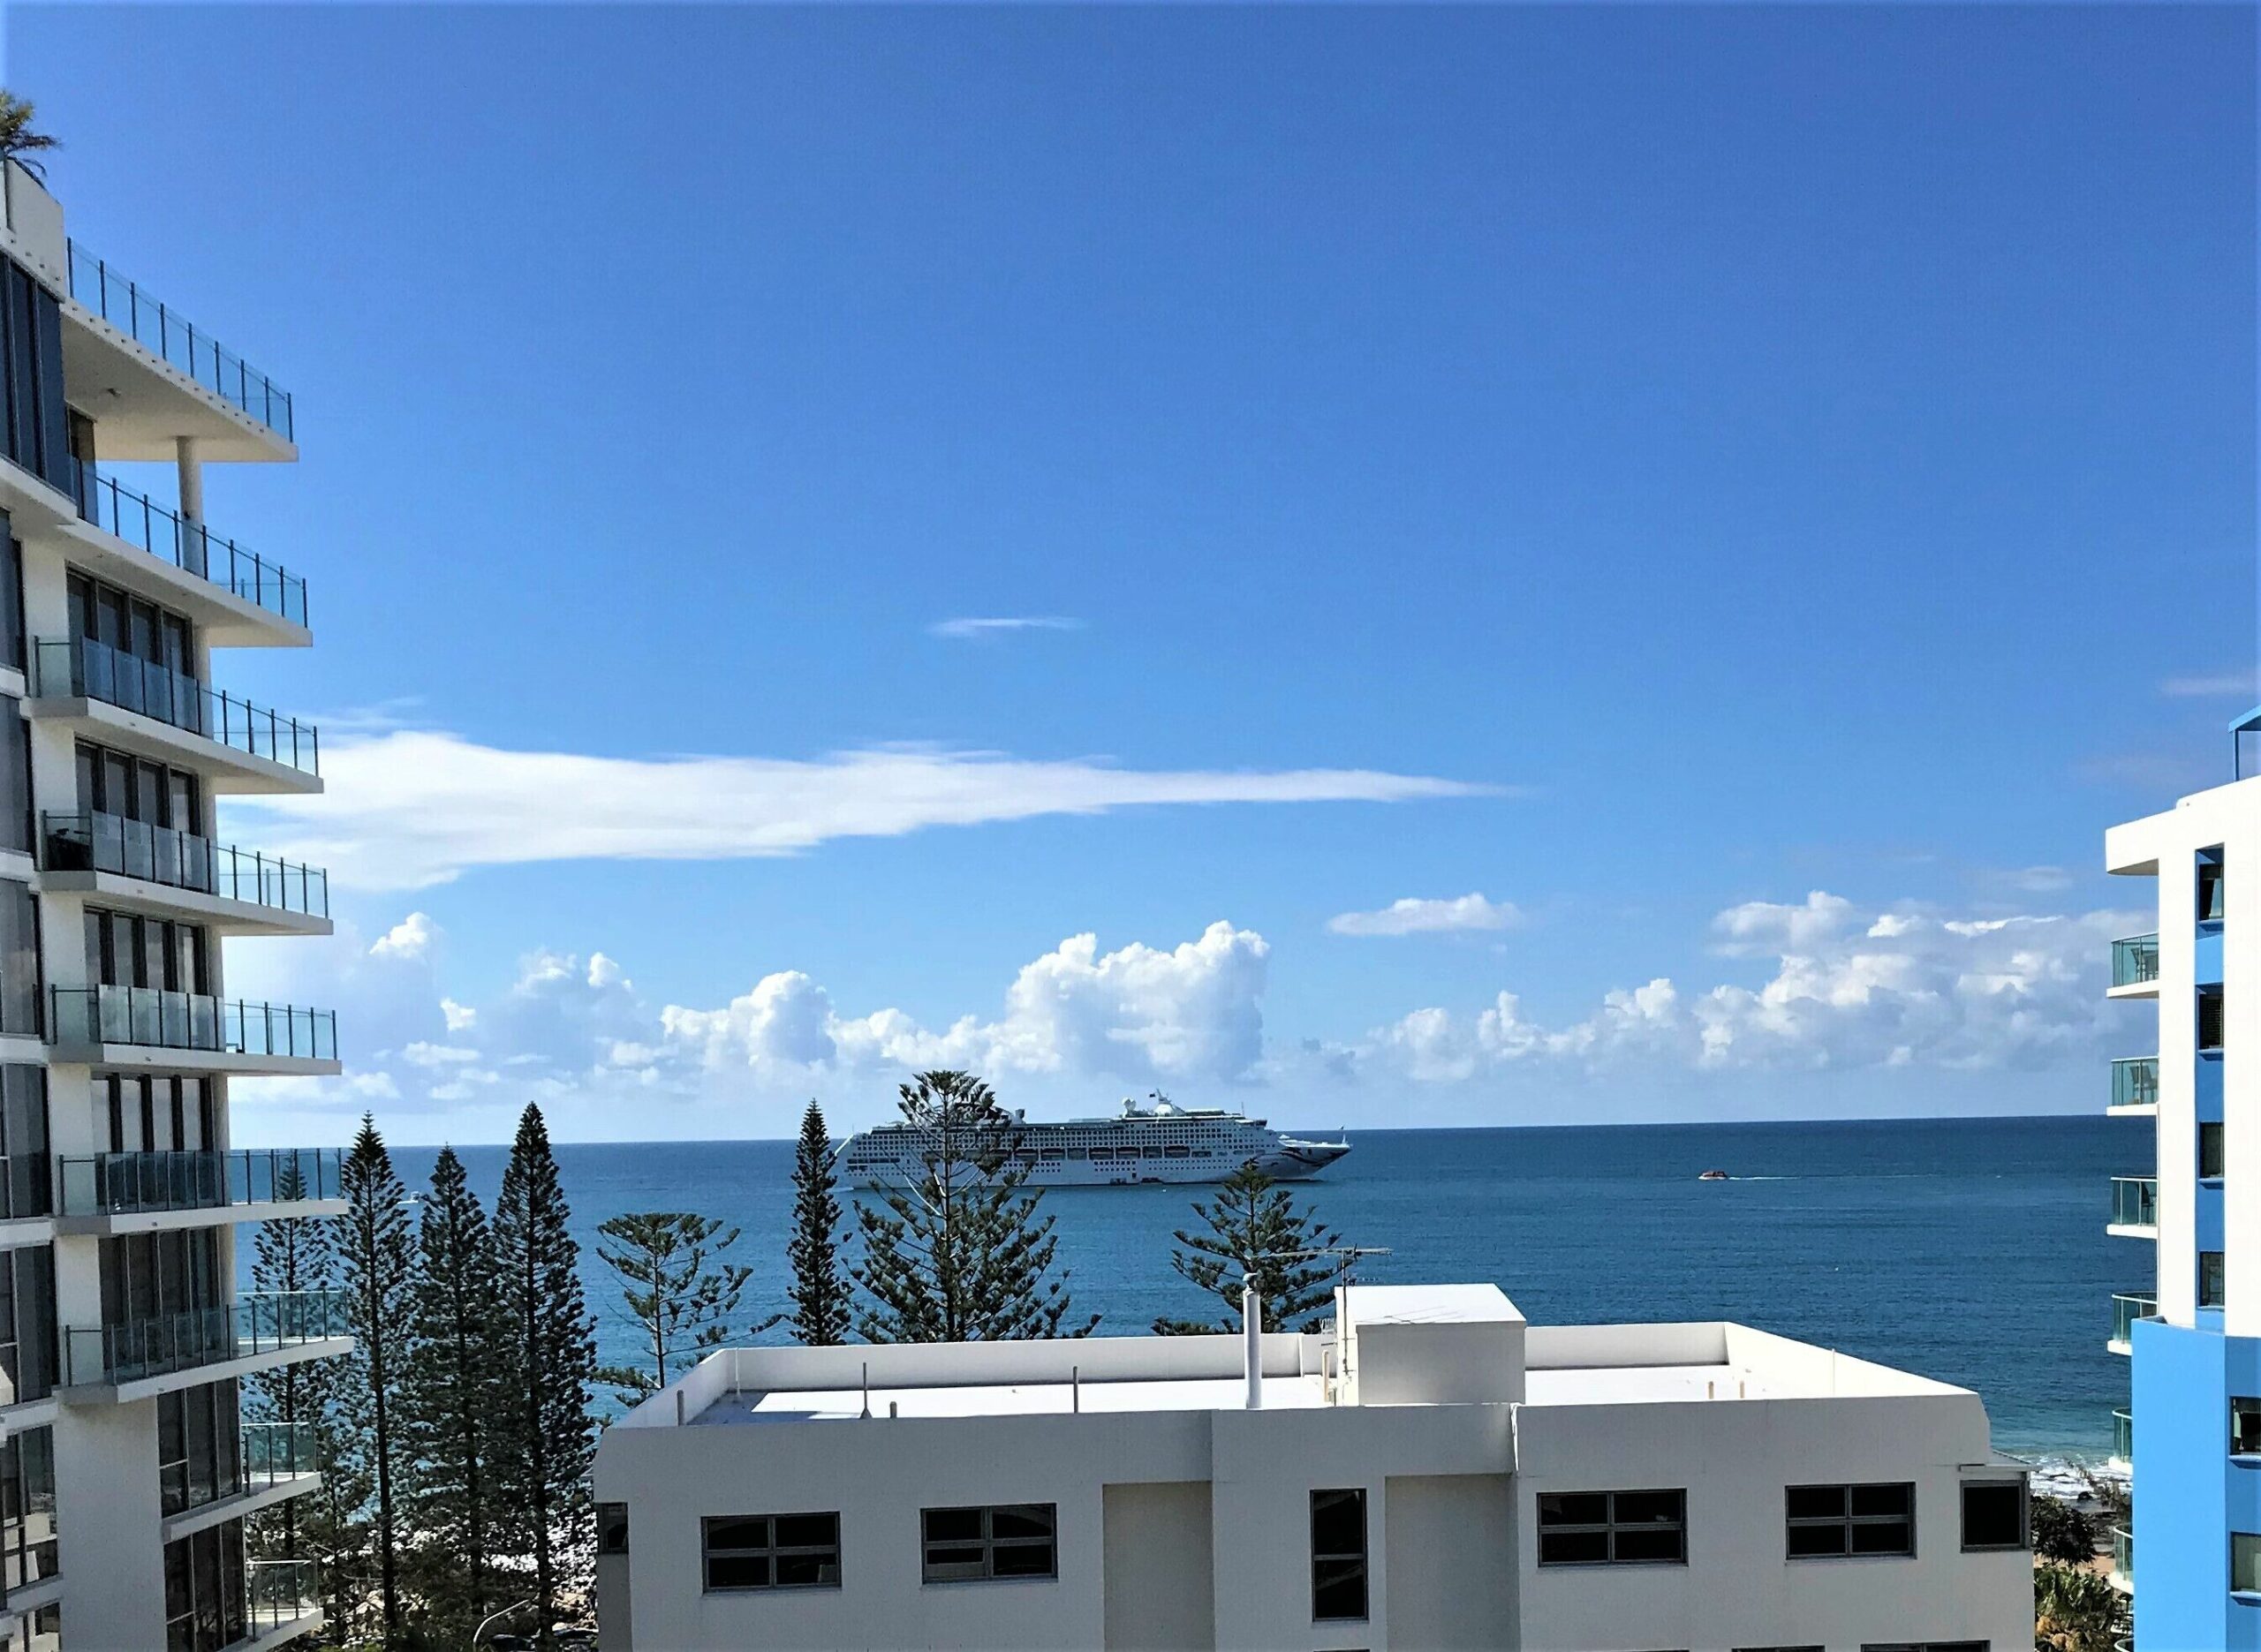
(2190, 1320)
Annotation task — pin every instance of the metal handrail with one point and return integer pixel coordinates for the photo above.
(2134, 960)
(278, 1592)
(196, 1179)
(90, 839)
(80, 667)
(272, 1452)
(151, 1017)
(2135, 1201)
(2128, 1306)
(2134, 1082)
(175, 340)
(160, 1344)
(187, 544)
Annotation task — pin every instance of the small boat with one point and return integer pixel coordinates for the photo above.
(1713, 1175)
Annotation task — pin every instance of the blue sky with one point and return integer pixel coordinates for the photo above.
(1748, 493)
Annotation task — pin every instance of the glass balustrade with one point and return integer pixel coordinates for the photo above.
(2134, 960)
(2127, 1308)
(158, 1346)
(170, 336)
(79, 667)
(2134, 1082)
(2123, 1438)
(2123, 1557)
(2135, 1201)
(153, 1018)
(273, 1451)
(126, 1184)
(188, 545)
(280, 1592)
(90, 840)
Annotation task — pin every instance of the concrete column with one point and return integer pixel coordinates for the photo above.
(191, 478)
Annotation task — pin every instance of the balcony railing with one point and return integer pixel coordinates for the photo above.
(2134, 960)
(133, 1184)
(2127, 1308)
(83, 669)
(2135, 1201)
(256, 1324)
(278, 1451)
(165, 333)
(153, 1018)
(2134, 1082)
(2123, 1558)
(2123, 1439)
(189, 545)
(279, 1592)
(93, 841)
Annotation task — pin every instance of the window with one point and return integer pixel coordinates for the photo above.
(1827, 1520)
(2210, 892)
(1994, 1514)
(26, 1186)
(28, 1551)
(204, 1589)
(767, 1551)
(1590, 1529)
(612, 1528)
(2245, 1562)
(26, 1323)
(1013, 1540)
(35, 433)
(1923, 1645)
(2210, 1018)
(11, 597)
(2245, 1427)
(200, 1460)
(2210, 1279)
(1338, 1555)
(2210, 1152)
(19, 976)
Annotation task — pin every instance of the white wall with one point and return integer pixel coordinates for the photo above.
(1158, 1585)
(1448, 1551)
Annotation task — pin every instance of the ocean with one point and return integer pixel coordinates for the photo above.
(1972, 1250)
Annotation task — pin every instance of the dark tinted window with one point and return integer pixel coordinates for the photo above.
(1613, 1527)
(1865, 1519)
(1338, 1555)
(763, 1551)
(1010, 1540)
(1994, 1514)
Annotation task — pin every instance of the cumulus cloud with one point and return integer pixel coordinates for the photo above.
(1849, 989)
(408, 808)
(410, 938)
(978, 629)
(1413, 916)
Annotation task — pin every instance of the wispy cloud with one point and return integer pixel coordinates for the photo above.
(1416, 917)
(981, 629)
(412, 808)
(2212, 685)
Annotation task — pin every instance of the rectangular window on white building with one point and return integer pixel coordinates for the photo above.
(771, 1551)
(1994, 1514)
(1826, 1522)
(2245, 1562)
(2210, 1279)
(1592, 1528)
(612, 1528)
(1010, 1540)
(1338, 1555)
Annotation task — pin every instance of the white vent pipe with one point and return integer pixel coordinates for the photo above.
(1251, 1335)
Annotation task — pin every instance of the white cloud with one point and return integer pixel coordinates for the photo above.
(460, 1017)
(981, 629)
(1888, 989)
(421, 1055)
(2212, 685)
(1412, 916)
(409, 808)
(410, 939)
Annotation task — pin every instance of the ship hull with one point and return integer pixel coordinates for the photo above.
(1283, 1160)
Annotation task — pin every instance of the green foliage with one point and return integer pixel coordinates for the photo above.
(20, 141)
(961, 1257)
(547, 1438)
(822, 1314)
(680, 1306)
(2076, 1609)
(375, 1262)
(1254, 1230)
(455, 1393)
(2062, 1532)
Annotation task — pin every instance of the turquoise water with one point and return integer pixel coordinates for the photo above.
(1971, 1250)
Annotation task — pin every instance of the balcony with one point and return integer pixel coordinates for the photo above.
(2134, 1086)
(2135, 967)
(2134, 1207)
(176, 341)
(2123, 1560)
(2127, 1308)
(118, 1193)
(253, 1327)
(195, 550)
(280, 1595)
(2123, 1443)
(238, 891)
(115, 1025)
(266, 751)
(276, 1452)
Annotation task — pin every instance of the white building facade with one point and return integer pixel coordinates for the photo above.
(1441, 1476)
(127, 1466)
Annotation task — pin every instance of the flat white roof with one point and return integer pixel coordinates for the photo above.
(818, 1405)
(1429, 1305)
(1636, 1385)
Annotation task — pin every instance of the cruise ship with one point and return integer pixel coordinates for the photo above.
(1163, 1143)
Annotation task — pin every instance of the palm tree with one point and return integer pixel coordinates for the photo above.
(20, 141)
(2076, 1609)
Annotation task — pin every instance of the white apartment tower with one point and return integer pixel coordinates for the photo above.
(126, 1468)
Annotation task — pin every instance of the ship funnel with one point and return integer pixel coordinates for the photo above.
(1251, 1337)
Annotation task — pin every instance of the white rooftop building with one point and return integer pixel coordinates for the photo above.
(1437, 1475)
